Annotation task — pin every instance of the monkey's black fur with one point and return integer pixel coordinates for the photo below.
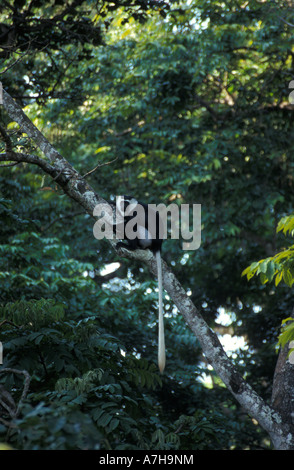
(153, 228)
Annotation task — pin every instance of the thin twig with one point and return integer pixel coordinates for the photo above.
(9, 164)
(17, 60)
(98, 166)
(286, 22)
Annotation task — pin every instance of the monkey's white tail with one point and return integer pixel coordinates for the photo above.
(161, 340)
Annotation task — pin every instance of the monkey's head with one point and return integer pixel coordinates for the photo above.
(122, 202)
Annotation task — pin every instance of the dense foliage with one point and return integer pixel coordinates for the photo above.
(186, 104)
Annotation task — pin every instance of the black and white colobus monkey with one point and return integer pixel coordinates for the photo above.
(145, 233)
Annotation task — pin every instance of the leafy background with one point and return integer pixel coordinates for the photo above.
(188, 104)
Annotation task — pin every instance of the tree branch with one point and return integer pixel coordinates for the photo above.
(251, 402)
(58, 167)
(7, 402)
(286, 22)
(27, 158)
(99, 166)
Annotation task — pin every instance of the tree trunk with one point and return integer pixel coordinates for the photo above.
(282, 395)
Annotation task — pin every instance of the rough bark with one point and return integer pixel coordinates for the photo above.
(78, 189)
(283, 388)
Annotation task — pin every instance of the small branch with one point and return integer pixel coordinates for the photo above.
(27, 158)
(17, 60)
(98, 166)
(6, 165)
(27, 380)
(7, 402)
(286, 22)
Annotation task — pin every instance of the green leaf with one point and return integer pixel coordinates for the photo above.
(287, 277)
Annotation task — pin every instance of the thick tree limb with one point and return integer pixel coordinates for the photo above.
(76, 188)
(250, 401)
(64, 174)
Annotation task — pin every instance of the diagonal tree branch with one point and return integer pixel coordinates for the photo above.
(79, 190)
(64, 174)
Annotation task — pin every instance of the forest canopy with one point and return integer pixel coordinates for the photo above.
(184, 102)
